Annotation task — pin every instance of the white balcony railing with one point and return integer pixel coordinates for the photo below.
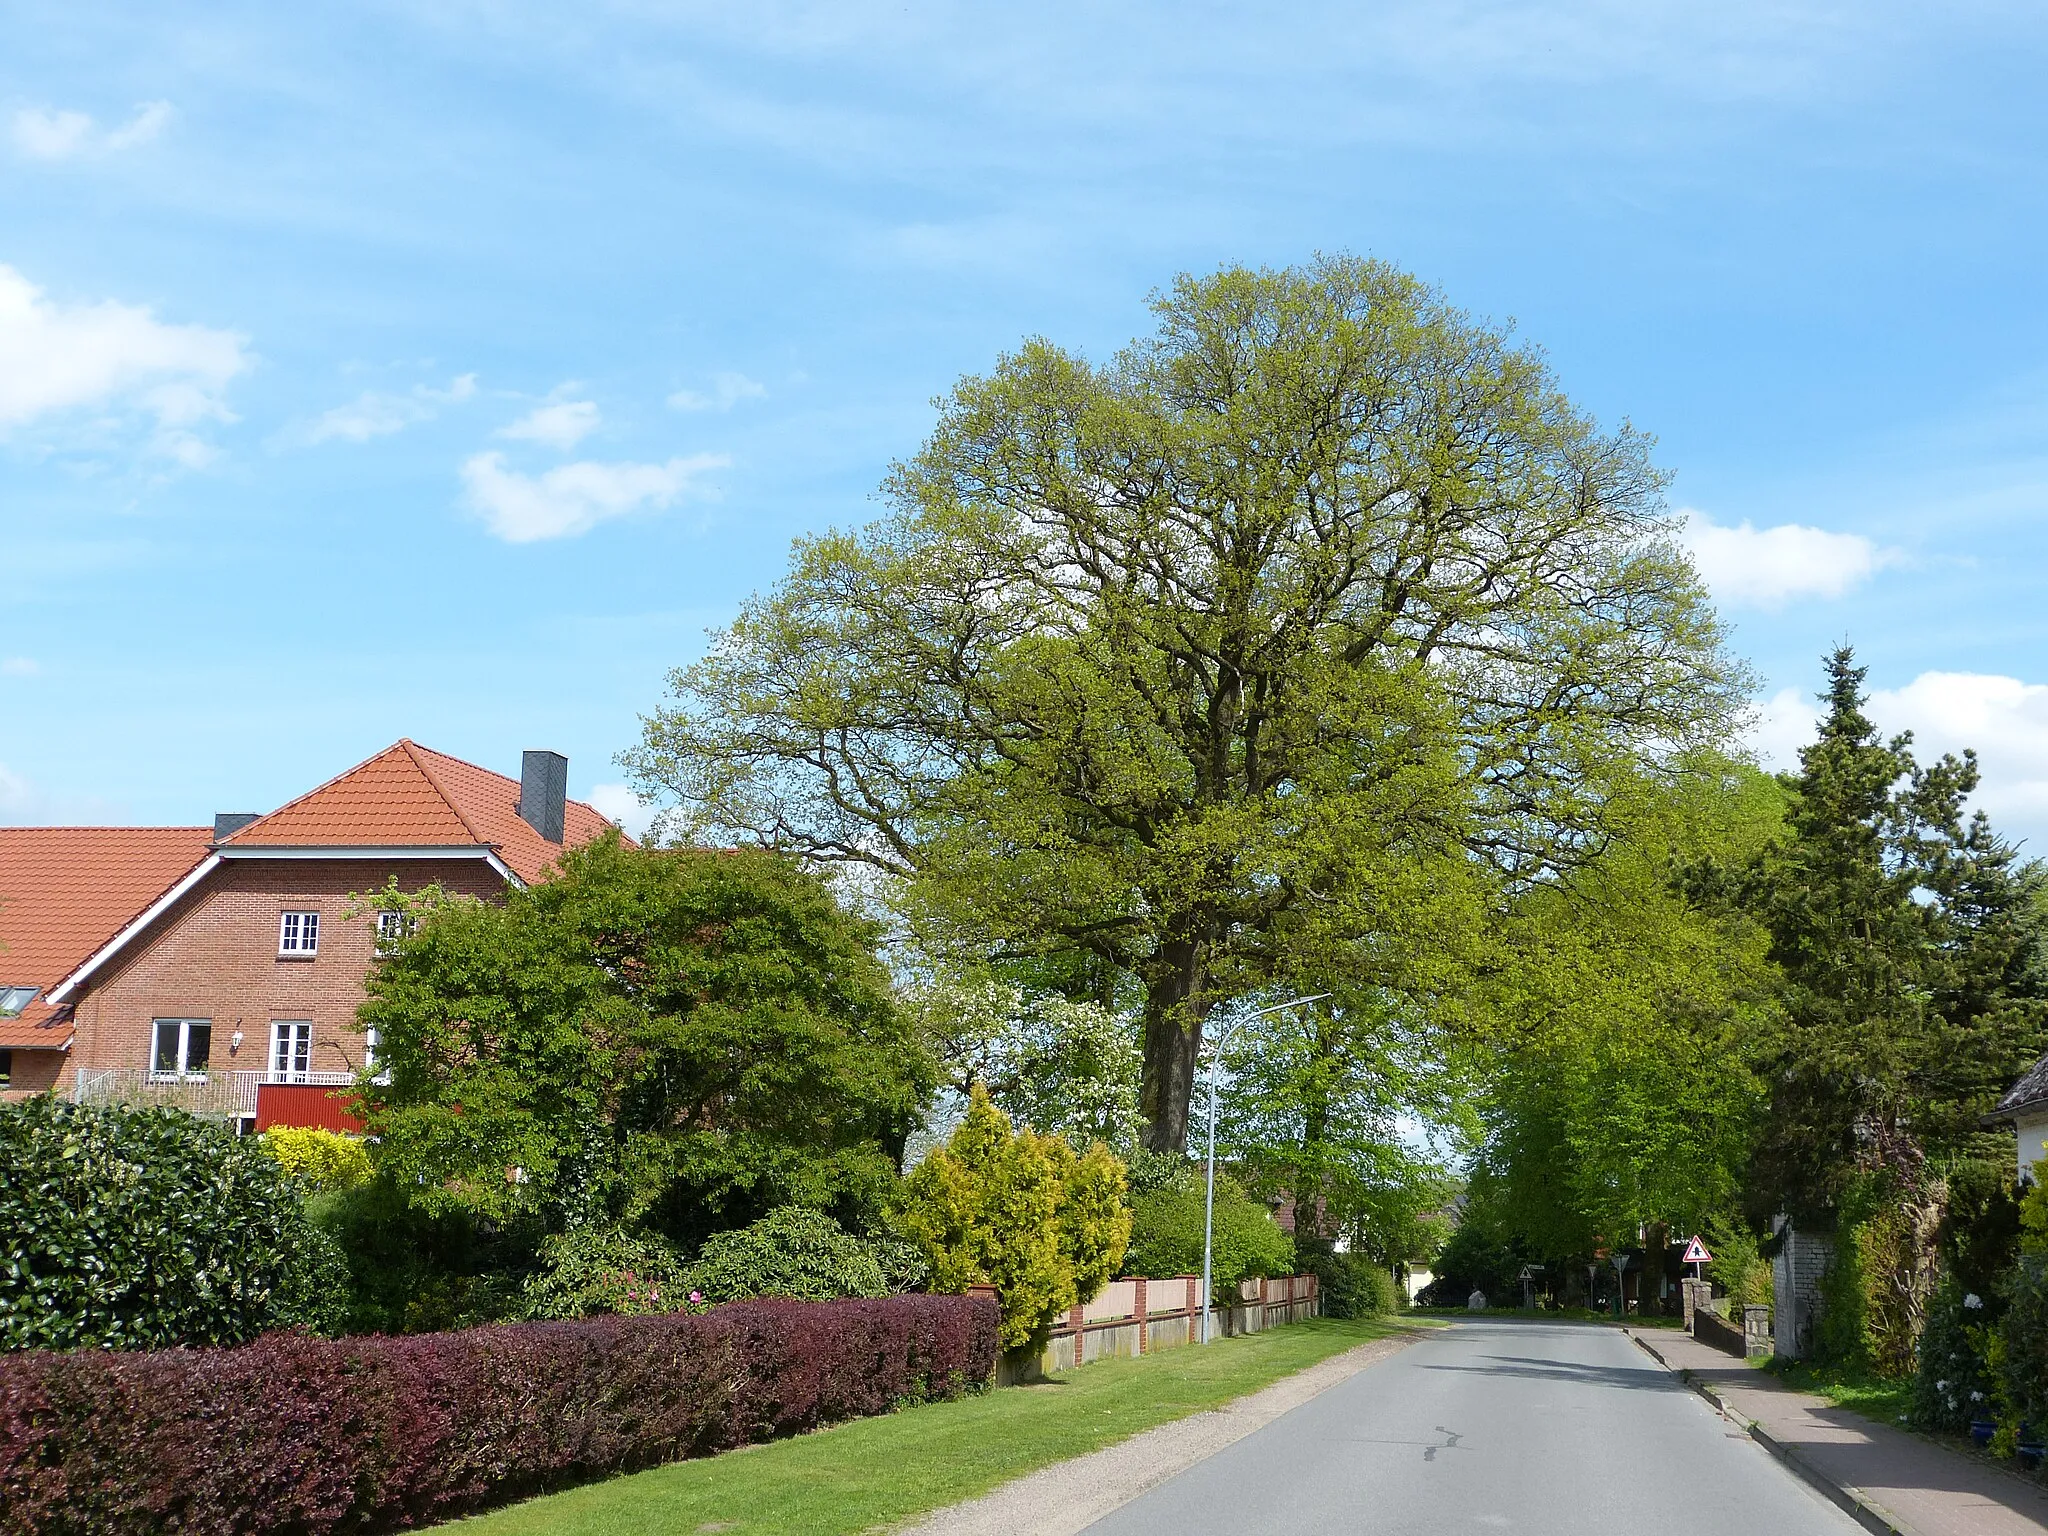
(215, 1096)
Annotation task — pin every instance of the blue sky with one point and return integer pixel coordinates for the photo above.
(444, 370)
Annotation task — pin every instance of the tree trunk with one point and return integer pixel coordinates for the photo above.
(1176, 1001)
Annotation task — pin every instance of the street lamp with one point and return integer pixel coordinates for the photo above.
(1209, 1197)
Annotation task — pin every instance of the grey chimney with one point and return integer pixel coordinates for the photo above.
(544, 792)
(227, 823)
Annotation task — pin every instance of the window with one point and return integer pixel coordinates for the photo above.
(298, 933)
(391, 927)
(6, 1068)
(181, 1048)
(291, 1050)
(14, 999)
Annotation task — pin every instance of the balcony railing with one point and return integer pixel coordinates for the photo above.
(215, 1096)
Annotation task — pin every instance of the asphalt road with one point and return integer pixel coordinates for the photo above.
(1529, 1428)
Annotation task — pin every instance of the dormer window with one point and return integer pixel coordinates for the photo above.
(298, 934)
(14, 999)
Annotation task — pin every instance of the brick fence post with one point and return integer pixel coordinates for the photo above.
(1144, 1320)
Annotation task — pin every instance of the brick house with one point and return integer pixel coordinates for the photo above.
(217, 967)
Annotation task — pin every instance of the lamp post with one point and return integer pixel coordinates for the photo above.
(1209, 1196)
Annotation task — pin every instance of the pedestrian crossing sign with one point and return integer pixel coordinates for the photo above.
(1696, 1253)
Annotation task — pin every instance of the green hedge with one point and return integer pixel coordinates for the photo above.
(141, 1228)
(1351, 1284)
(1166, 1232)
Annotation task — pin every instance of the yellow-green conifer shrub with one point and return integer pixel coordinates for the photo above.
(1021, 1212)
(319, 1160)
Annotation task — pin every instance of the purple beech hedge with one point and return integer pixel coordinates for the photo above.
(308, 1436)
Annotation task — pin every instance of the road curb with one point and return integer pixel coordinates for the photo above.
(1850, 1501)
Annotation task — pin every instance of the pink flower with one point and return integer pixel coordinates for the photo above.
(696, 1295)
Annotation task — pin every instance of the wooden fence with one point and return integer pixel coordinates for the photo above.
(1136, 1316)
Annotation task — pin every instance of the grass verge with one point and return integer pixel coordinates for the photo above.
(1875, 1397)
(876, 1472)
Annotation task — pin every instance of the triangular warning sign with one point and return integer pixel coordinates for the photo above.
(1696, 1253)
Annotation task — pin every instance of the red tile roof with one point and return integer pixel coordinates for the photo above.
(64, 892)
(408, 796)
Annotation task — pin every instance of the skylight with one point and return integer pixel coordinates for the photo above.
(14, 999)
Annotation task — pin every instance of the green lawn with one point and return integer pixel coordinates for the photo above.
(876, 1472)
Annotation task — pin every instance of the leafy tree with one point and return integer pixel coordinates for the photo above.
(1311, 1110)
(1188, 660)
(1062, 1067)
(1478, 1259)
(148, 1228)
(675, 1039)
(1909, 941)
(1611, 1024)
(1019, 1211)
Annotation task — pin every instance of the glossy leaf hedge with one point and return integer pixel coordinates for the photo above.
(311, 1436)
(142, 1228)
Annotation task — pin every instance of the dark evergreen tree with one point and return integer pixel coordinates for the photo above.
(1908, 940)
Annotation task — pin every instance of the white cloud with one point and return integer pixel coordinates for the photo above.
(18, 666)
(109, 356)
(2004, 720)
(1768, 567)
(561, 424)
(618, 803)
(1781, 725)
(573, 498)
(727, 390)
(18, 798)
(375, 413)
(43, 134)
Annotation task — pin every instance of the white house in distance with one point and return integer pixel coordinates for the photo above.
(2026, 1108)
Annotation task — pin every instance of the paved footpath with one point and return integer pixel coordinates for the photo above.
(1901, 1482)
(1541, 1429)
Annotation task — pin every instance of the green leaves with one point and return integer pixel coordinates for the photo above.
(1022, 1212)
(1909, 946)
(1181, 662)
(679, 1038)
(1612, 1023)
(146, 1228)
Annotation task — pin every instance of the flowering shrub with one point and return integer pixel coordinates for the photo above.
(312, 1437)
(1952, 1383)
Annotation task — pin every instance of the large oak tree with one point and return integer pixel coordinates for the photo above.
(1172, 660)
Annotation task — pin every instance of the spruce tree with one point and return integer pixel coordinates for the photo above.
(1907, 940)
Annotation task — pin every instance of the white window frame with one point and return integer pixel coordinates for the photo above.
(391, 927)
(291, 1063)
(183, 1072)
(298, 934)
